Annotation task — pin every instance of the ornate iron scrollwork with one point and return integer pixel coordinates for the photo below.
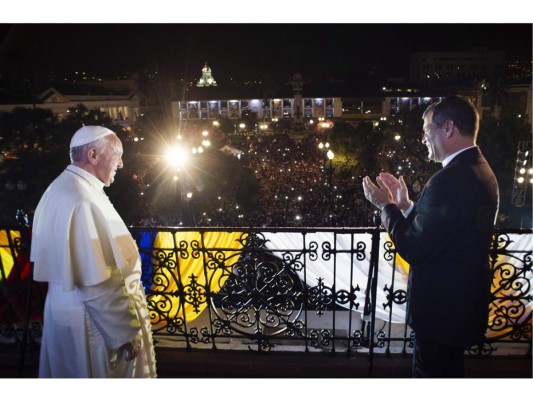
(262, 296)
(511, 292)
(397, 297)
(264, 300)
(320, 296)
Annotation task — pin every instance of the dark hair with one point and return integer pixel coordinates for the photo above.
(458, 109)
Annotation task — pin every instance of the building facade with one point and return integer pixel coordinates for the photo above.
(266, 109)
(458, 67)
(121, 106)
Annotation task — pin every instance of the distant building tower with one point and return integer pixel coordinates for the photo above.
(297, 130)
(206, 79)
(297, 87)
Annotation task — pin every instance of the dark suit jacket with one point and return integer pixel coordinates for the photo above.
(446, 240)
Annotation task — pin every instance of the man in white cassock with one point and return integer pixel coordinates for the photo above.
(96, 321)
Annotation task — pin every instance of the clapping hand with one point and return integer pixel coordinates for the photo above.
(379, 194)
(388, 190)
(398, 189)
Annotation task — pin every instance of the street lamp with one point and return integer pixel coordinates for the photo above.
(176, 157)
(323, 146)
(327, 152)
(330, 155)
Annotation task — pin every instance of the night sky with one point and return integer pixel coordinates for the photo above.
(248, 51)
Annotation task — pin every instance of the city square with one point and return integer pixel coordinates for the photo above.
(242, 184)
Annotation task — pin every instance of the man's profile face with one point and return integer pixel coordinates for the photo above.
(109, 160)
(432, 138)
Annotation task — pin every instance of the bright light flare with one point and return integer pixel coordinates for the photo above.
(176, 157)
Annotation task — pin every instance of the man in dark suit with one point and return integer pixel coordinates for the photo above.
(446, 238)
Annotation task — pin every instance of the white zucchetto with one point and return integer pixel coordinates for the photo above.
(88, 134)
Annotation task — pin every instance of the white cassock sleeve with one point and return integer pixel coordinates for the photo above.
(111, 310)
(88, 260)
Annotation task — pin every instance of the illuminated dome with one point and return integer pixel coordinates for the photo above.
(206, 79)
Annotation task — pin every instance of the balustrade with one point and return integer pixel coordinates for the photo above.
(310, 290)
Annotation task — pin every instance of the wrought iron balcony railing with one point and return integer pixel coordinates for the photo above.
(313, 290)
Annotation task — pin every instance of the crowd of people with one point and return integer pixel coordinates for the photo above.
(292, 182)
(298, 187)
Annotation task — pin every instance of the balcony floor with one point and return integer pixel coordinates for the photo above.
(181, 363)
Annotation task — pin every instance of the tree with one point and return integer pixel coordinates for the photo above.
(360, 146)
(28, 158)
(498, 139)
(226, 125)
(348, 140)
(37, 150)
(496, 93)
(81, 115)
(208, 177)
(24, 127)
